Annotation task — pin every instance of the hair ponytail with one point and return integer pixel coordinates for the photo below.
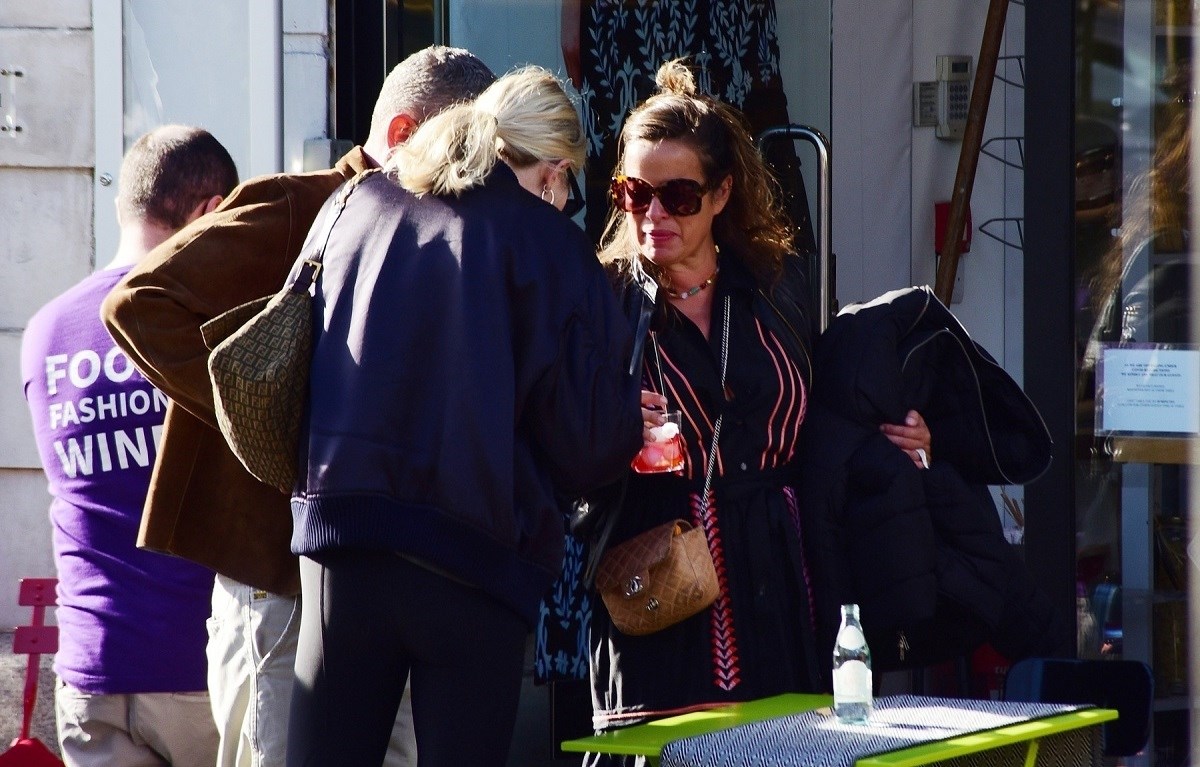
(674, 77)
(522, 118)
(452, 152)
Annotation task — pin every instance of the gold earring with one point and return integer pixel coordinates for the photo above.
(546, 188)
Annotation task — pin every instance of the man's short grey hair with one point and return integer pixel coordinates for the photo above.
(427, 82)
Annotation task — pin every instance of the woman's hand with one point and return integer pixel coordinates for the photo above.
(912, 437)
(653, 407)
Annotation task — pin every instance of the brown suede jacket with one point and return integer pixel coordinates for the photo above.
(202, 504)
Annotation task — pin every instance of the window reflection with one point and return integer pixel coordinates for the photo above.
(1134, 263)
(168, 70)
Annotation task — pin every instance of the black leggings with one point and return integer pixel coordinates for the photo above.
(372, 618)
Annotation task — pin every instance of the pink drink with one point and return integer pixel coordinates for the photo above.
(665, 453)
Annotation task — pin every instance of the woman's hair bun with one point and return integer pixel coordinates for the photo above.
(675, 77)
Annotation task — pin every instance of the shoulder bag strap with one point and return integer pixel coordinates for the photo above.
(311, 266)
(597, 543)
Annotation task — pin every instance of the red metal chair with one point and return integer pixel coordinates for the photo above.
(33, 640)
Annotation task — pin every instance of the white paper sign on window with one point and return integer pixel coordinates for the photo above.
(1148, 389)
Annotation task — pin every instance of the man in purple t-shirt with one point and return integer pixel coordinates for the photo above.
(131, 660)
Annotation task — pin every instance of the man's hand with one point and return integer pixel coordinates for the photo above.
(912, 437)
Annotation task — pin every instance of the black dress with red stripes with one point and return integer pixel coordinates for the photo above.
(756, 638)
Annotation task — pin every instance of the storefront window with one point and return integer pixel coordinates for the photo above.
(1136, 396)
(169, 72)
(743, 51)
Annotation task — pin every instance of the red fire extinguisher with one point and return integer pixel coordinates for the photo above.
(988, 669)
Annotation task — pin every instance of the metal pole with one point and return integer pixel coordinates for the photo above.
(265, 80)
(824, 214)
(108, 56)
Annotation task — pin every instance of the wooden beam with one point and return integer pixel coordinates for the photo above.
(968, 158)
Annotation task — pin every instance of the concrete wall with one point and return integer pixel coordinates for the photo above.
(45, 241)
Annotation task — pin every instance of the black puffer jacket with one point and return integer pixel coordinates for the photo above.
(921, 551)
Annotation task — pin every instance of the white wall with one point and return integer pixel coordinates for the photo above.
(1013, 355)
(871, 136)
(991, 272)
(887, 174)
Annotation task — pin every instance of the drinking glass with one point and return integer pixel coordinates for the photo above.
(665, 452)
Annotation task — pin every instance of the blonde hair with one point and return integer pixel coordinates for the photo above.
(753, 222)
(523, 118)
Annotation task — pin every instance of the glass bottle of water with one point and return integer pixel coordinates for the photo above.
(851, 670)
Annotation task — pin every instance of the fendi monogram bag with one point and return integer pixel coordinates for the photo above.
(259, 363)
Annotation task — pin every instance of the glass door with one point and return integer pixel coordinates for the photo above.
(1136, 395)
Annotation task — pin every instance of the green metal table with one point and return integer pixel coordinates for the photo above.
(1019, 743)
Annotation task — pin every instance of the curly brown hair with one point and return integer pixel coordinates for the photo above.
(753, 223)
(1165, 187)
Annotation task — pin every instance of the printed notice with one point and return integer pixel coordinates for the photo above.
(1149, 390)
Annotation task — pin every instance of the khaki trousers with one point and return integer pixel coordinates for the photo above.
(140, 730)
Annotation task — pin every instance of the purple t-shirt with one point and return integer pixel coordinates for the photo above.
(130, 621)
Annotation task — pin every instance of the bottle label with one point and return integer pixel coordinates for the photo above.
(851, 637)
(852, 683)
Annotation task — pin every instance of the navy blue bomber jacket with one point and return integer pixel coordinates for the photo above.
(469, 360)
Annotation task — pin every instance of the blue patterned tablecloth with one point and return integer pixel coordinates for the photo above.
(817, 739)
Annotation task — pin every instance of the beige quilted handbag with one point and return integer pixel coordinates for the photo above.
(657, 578)
(259, 363)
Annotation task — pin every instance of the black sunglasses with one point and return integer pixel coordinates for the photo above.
(680, 196)
(574, 202)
